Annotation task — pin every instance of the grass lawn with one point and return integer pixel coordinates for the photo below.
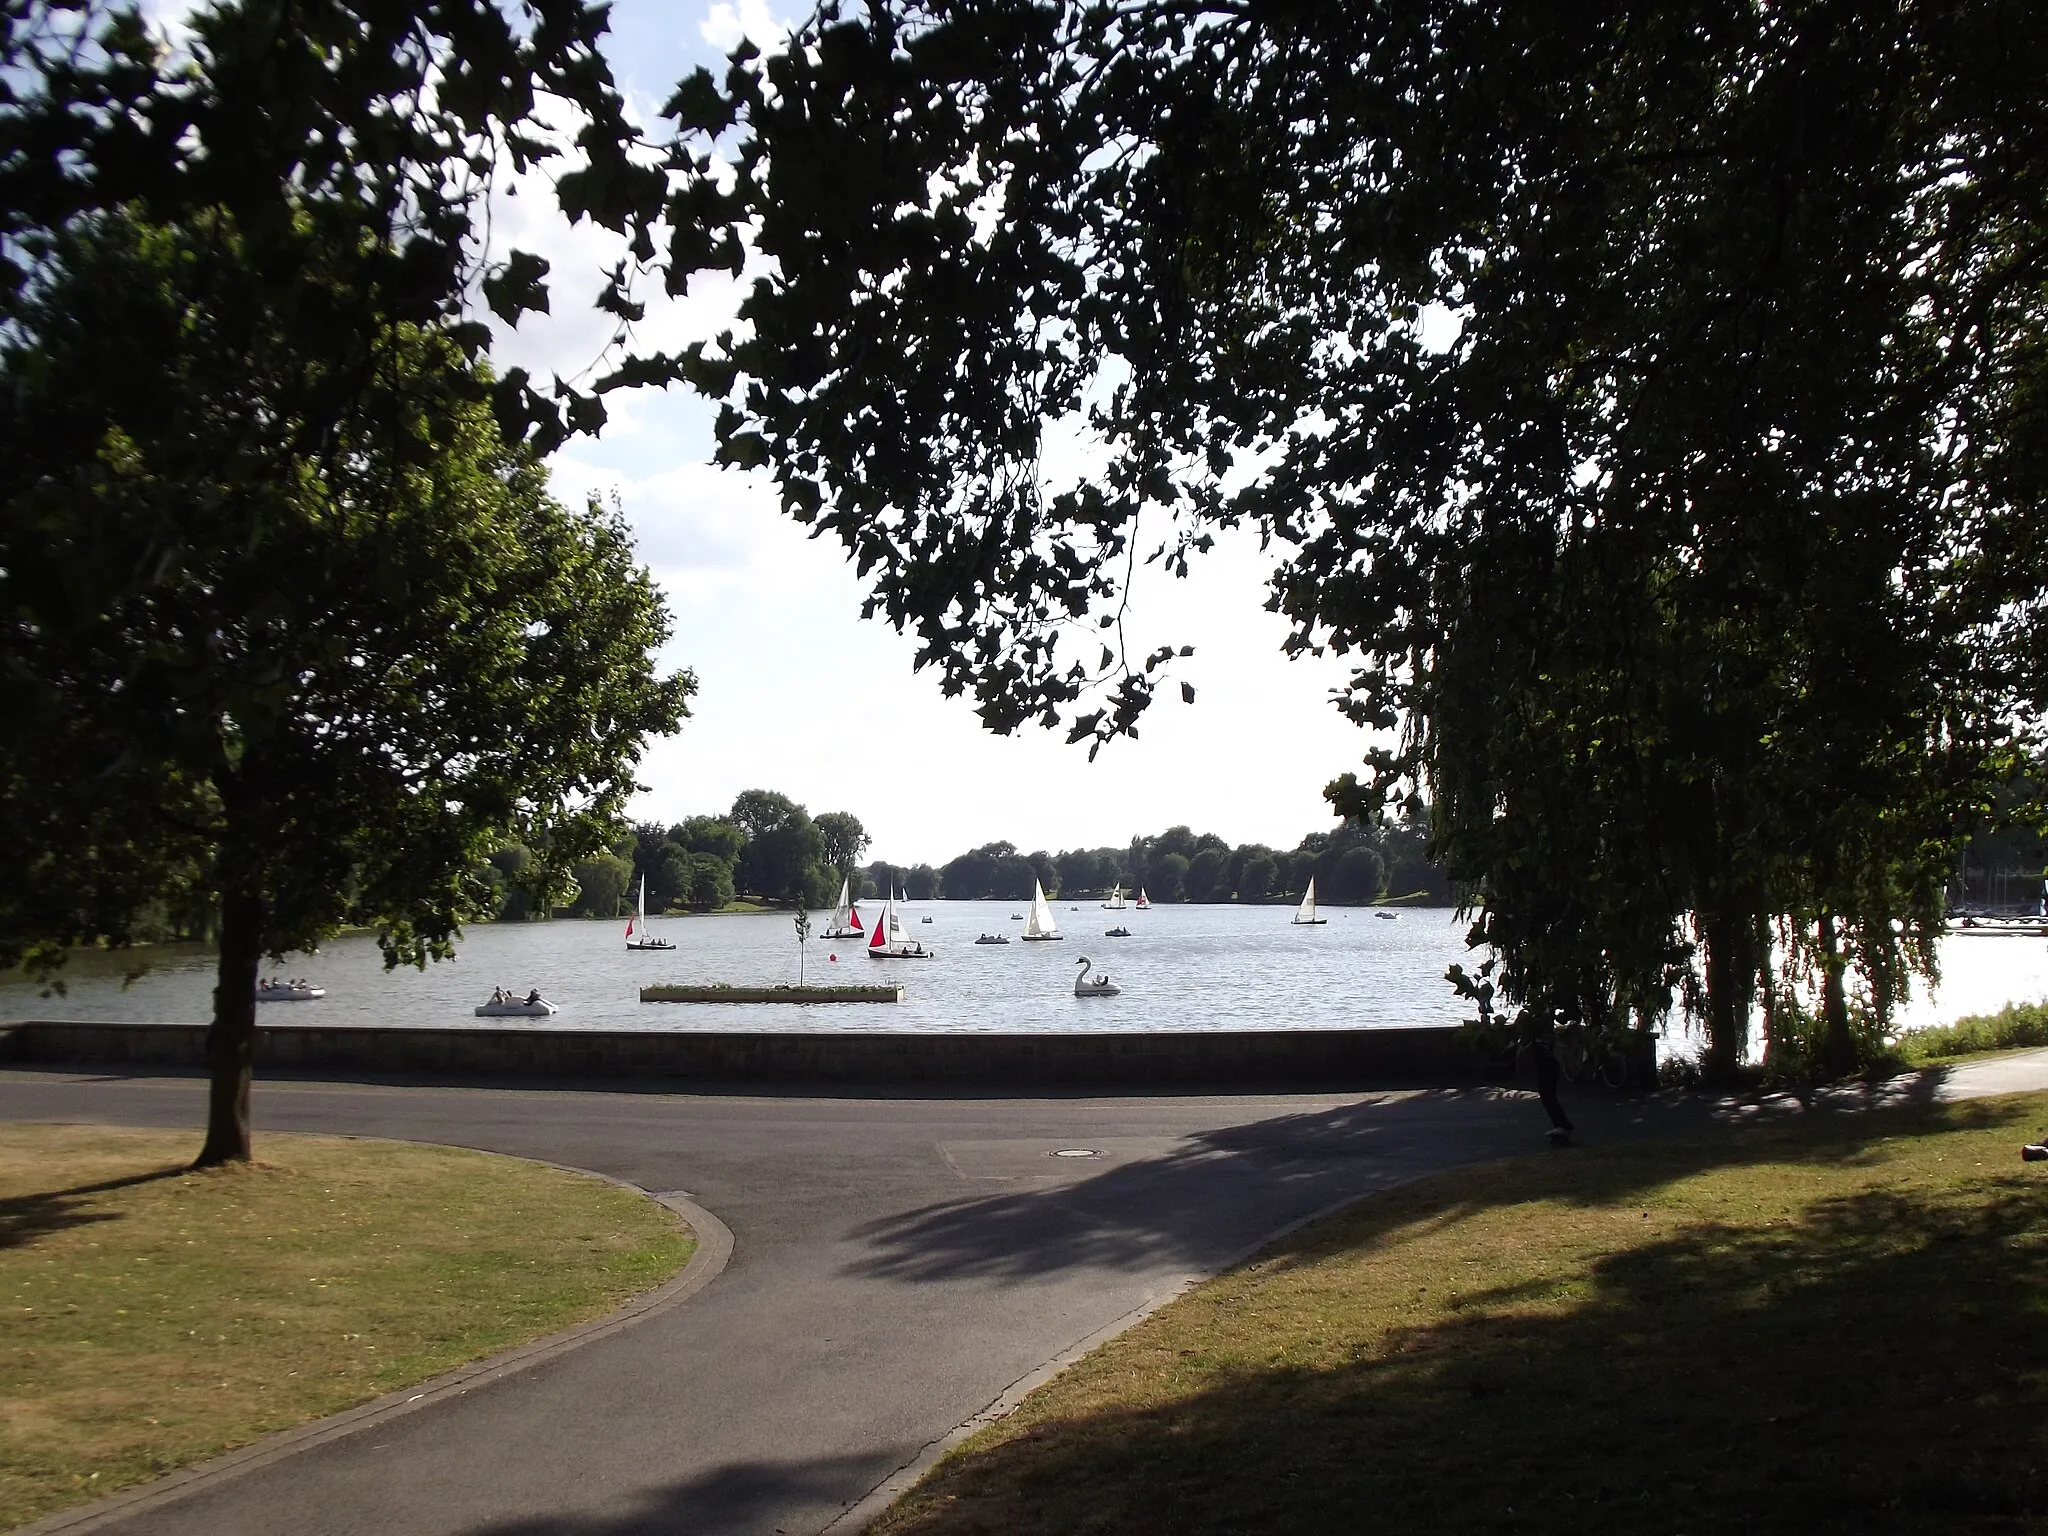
(156, 1317)
(2016, 1026)
(1838, 1323)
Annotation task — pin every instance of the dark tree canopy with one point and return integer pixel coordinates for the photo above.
(320, 686)
(844, 840)
(353, 146)
(1648, 401)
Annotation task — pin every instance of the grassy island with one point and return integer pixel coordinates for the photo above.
(158, 1316)
(726, 992)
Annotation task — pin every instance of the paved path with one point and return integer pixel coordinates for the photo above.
(898, 1264)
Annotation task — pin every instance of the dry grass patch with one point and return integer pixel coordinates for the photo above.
(157, 1316)
(1834, 1325)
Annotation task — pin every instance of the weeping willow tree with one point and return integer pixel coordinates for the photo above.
(1647, 401)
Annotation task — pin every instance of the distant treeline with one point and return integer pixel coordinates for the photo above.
(1353, 864)
(770, 849)
(766, 846)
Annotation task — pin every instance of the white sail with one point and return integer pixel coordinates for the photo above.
(1116, 898)
(1306, 912)
(896, 933)
(636, 926)
(1142, 902)
(842, 910)
(638, 934)
(1038, 923)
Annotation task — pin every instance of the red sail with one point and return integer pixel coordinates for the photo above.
(853, 917)
(880, 940)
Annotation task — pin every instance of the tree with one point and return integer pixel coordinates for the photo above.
(921, 883)
(1205, 872)
(992, 871)
(1078, 871)
(757, 812)
(782, 850)
(353, 148)
(517, 870)
(324, 678)
(844, 840)
(601, 885)
(661, 867)
(1354, 879)
(710, 882)
(1647, 401)
(709, 834)
(1137, 862)
(1169, 879)
(1184, 842)
(1255, 880)
(672, 877)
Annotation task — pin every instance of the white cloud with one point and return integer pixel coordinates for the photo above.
(704, 530)
(726, 25)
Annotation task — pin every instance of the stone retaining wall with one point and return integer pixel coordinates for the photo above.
(1220, 1059)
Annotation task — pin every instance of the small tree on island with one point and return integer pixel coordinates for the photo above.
(803, 937)
(319, 674)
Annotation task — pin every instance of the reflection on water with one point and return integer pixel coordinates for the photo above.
(1183, 967)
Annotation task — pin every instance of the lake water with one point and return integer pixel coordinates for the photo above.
(1183, 967)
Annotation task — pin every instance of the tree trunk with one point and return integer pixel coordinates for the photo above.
(1731, 979)
(231, 1042)
(1838, 1044)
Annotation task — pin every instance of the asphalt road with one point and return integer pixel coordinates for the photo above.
(897, 1265)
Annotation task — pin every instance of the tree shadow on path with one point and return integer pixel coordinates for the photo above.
(734, 1496)
(1875, 1362)
(1196, 1206)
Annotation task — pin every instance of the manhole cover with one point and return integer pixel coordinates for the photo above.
(1077, 1152)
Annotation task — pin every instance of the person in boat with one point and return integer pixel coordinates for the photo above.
(497, 995)
(533, 997)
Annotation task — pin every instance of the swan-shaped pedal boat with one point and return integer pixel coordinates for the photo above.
(1094, 986)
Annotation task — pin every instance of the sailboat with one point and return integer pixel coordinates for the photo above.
(1039, 924)
(637, 934)
(889, 942)
(1116, 898)
(845, 922)
(1143, 904)
(1305, 914)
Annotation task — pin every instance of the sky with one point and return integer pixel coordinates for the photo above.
(797, 693)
